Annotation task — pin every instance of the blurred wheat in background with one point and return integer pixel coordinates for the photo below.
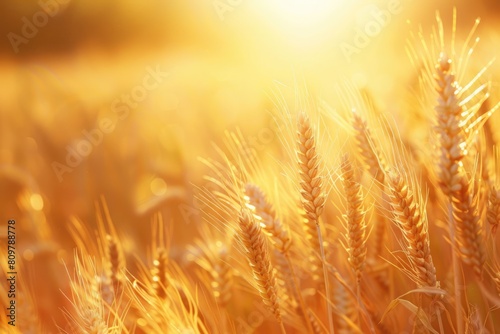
(250, 166)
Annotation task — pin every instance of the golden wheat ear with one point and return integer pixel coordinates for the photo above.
(88, 307)
(493, 212)
(258, 256)
(368, 148)
(310, 182)
(312, 192)
(449, 118)
(265, 214)
(264, 211)
(313, 198)
(451, 173)
(213, 256)
(159, 273)
(409, 213)
(114, 258)
(355, 218)
(468, 226)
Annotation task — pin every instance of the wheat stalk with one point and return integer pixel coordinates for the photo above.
(451, 140)
(311, 235)
(313, 198)
(373, 159)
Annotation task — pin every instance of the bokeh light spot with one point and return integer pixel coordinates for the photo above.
(36, 202)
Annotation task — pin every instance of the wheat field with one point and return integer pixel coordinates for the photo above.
(177, 185)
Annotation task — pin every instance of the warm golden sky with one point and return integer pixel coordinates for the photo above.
(261, 40)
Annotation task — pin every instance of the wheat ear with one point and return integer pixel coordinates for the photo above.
(347, 314)
(411, 218)
(449, 115)
(451, 138)
(453, 181)
(493, 212)
(258, 256)
(116, 264)
(368, 148)
(222, 278)
(313, 197)
(373, 159)
(257, 202)
(355, 217)
(86, 299)
(468, 226)
(159, 273)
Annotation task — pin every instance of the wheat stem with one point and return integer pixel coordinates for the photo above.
(299, 294)
(457, 276)
(325, 275)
